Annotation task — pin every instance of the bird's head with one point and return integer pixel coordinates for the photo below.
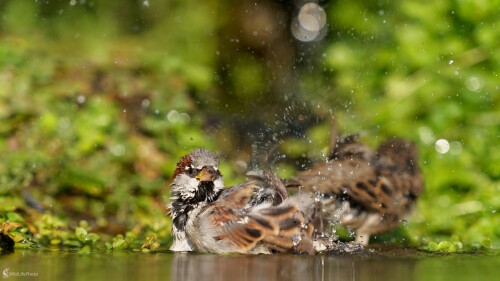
(197, 177)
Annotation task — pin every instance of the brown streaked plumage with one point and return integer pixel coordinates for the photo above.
(253, 217)
(237, 226)
(370, 191)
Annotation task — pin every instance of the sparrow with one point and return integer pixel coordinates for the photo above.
(254, 217)
(365, 190)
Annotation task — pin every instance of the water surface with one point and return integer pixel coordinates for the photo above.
(375, 264)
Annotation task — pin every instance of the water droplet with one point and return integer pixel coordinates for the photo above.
(473, 84)
(80, 99)
(450, 62)
(296, 239)
(184, 118)
(64, 123)
(145, 3)
(117, 150)
(455, 147)
(173, 116)
(442, 146)
(309, 23)
(145, 103)
(426, 135)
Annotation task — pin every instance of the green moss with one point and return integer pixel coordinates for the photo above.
(98, 102)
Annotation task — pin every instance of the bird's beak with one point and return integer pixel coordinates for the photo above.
(206, 174)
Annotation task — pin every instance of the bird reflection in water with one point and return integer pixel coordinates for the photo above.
(187, 266)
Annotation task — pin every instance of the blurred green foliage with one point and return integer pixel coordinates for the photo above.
(99, 100)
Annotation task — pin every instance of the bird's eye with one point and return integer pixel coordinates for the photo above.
(217, 174)
(192, 172)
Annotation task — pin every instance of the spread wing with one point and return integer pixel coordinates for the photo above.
(239, 225)
(379, 182)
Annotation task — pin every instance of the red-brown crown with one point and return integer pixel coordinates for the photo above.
(182, 164)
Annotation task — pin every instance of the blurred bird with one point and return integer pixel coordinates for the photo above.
(369, 191)
(253, 217)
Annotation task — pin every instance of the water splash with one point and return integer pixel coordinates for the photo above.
(405, 223)
(296, 239)
(292, 121)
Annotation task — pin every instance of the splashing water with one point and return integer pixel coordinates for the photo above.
(296, 239)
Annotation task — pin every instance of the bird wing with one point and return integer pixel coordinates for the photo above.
(243, 226)
(383, 182)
